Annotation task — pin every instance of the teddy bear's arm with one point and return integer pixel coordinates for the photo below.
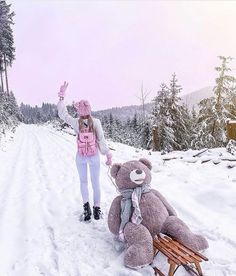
(169, 208)
(114, 216)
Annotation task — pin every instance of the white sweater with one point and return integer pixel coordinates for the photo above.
(74, 122)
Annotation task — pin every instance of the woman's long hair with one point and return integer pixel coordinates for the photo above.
(90, 123)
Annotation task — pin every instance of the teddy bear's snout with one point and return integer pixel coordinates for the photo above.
(137, 176)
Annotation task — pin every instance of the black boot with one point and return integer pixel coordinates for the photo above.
(96, 212)
(87, 211)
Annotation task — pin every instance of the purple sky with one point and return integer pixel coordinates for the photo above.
(105, 49)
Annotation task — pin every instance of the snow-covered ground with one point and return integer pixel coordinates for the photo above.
(40, 204)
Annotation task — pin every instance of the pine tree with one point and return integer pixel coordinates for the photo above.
(1, 74)
(179, 115)
(9, 111)
(163, 121)
(10, 115)
(192, 126)
(171, 119)
(4, 120)
(110, 126)
(224, 94)
(13, 107)
(146, 135)
(7, 49)
(34, 115)
(214, 111)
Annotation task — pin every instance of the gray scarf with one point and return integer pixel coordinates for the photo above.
(131, 199)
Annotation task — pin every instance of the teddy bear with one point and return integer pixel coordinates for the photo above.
(140, 213)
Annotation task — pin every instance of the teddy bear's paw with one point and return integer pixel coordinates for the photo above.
(138, 255)
(200, 243)
(196, 242)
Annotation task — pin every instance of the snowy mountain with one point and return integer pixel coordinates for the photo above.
(40, 207)
(123, 112)
(48, 111)
(191, 99)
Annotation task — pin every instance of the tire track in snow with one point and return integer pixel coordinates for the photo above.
(46, 196)
(69, 242)
(9, 173)
(51, 198)
(22, 202)
(65, 263)
(16, 221)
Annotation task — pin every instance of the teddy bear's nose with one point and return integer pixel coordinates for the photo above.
(139, 171)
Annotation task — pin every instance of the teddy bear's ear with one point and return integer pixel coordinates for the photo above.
(114, 169)
(146, 162)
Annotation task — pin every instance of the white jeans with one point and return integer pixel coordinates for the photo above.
(94, 167)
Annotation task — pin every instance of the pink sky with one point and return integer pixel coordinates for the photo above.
(105, 49)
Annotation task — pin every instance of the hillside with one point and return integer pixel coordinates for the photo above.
(191, 99)
(40, 207)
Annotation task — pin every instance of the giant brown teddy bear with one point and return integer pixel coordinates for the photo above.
(140, 213)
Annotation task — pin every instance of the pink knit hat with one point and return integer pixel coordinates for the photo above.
(83, 108)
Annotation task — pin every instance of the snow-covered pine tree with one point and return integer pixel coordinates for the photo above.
(202, 137)
(146, 134)
(118, 131)
(163, 121)
(4, 120)
(45, 113)
(132, 134)
(9, 111)
(1, 74)
(127, 134)
(104, 122)
(134, 131)
(189, 127)
(7, 49)
(179, 115)
(114, 129)
(224, 93)
(171, 118)
(110, 129)
(214, 111)
(13, 108)
(192, 126)
(10, 115)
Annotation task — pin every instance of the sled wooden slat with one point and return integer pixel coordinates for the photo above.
(184, 257)
(168, 254)
(174, 252)
(189, 250)
(185, 249)
(178, 254)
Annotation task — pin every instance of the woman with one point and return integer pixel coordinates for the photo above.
(91, 141)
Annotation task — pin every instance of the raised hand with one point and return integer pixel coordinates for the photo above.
(62, 91)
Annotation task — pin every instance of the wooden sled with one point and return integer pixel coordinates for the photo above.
(177, 255)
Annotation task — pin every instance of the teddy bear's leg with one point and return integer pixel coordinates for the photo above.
(140, 245)
(176, 228)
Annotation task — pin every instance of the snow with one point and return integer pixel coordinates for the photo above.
(40, 205)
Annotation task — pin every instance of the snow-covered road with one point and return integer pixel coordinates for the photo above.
(40, 203)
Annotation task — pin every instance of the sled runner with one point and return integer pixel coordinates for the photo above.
(178, 254)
